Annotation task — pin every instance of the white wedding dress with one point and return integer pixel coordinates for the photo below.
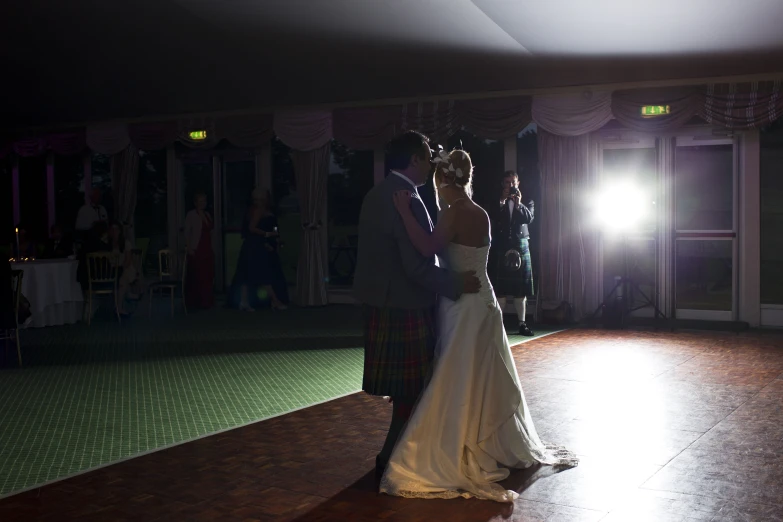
(471, 423)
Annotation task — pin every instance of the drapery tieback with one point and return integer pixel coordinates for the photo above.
(312, 226)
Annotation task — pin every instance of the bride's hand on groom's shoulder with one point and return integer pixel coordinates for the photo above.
(402, 199)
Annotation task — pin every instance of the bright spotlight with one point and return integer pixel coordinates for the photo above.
(622, 207)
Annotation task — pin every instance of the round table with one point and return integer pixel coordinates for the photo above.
(54, 293)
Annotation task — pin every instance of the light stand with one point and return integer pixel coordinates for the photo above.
(621, 292)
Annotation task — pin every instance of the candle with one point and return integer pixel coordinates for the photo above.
(18, 253)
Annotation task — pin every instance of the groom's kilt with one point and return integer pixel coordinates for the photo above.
(399, 347)
(516, 283)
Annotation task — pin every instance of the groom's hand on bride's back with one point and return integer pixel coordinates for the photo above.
(468, 282)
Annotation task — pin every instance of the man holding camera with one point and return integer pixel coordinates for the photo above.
(510, 269)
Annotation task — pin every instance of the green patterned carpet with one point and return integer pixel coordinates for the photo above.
(87, 397)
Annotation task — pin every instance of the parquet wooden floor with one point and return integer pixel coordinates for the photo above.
(669, 427)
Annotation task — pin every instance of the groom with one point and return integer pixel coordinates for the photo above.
(398, 288)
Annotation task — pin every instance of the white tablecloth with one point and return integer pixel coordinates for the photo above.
(54, 294)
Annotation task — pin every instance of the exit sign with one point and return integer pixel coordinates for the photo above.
(198, 135)
(655, 110)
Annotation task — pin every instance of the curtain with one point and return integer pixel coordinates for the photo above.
(572, 114)
(153, 135)
(743, 106)
(304, 130)
(569, 170)
(684, 104)
(496, 118)
(437, 120)
(665, 165)
(366, 128)
(311, 169)
(125, 173)
(108, 138)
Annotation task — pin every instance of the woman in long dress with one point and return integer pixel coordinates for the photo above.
(259, 263)
(471, 424)
(200, 275)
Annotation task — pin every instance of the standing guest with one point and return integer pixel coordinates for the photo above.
(511, 270)
(201, 259)
(259, 262)
(91, 213)
(59, 245)
(27, 248)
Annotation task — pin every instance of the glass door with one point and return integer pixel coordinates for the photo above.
(227, 177)
(238, 179)
(705, 199)
(630, 252)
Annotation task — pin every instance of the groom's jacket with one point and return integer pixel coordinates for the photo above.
(390, 272)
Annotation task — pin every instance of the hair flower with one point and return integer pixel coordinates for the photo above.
(459, 173)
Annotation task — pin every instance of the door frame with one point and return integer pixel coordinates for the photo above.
(701, 137)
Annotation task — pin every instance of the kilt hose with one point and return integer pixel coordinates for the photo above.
(399, 348)
(516, 283)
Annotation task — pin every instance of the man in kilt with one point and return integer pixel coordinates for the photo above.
(398, 288)
(510, 269)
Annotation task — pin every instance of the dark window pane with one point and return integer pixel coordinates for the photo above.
(704, 188)
(239, 180)
(350, 178)
(772, 215)
(32, 197)
(151, 216)
(100, 171)
(69, 189)
(704, 274)
(287, 208)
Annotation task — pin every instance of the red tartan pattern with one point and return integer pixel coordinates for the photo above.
(399, 347)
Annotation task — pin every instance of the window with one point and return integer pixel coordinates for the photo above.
(350, 178)
(69, 189)
(150, 220)
(100, 172)
(772, 214)
(286, 207)
(704, 188)
(32, 197)
(6, 207)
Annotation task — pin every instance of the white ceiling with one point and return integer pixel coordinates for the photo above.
(541, 27)
(82, 60)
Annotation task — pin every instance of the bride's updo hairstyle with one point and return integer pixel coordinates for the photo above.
(455, 169)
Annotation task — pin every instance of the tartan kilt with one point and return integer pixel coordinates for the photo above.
(516, 283)
(399, 348)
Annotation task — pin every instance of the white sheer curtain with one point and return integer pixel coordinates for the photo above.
(572, 114)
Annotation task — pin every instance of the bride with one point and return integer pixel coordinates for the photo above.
(471, 423)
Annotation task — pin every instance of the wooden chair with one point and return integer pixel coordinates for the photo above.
(166, 280)
(102, 276)
(137, 255)
(13, 334)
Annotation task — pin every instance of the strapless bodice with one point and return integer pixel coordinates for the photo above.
(461, 258)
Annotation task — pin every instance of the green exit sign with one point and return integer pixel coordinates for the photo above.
(197, 135)
(655, 110)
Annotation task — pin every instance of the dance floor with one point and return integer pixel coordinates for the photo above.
(91, 396)
(668, 426)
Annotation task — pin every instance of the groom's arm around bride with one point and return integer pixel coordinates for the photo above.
(398, 287)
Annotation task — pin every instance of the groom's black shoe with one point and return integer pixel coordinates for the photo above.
(525, 330)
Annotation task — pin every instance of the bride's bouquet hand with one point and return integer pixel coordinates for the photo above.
(402, 200)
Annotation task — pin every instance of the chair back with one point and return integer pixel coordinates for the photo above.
(165, 265)
(137, 257)
(102, 267)
(16, 285)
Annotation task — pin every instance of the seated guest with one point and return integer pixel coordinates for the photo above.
(90, 214)
(27, 247)
(59, 245)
